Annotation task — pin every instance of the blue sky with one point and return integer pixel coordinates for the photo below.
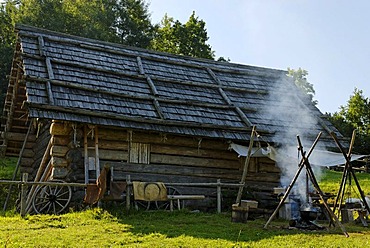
(330, 39)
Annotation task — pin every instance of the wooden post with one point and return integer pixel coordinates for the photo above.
(97, 160)
(86, 156)
(246, 164)
(128, 193)
(317, 187)
(300, 167)
(23, 194)
(342, 186)
(219, 196)
(349, 169)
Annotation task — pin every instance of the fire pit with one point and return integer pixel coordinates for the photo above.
(309, 213)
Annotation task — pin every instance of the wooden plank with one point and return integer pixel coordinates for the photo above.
(113, 145)
(201, 162)
(192, 151)
(178, 140)
(176, 170)
(115, 155)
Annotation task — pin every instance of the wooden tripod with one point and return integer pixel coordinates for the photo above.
(305, 163)
(348, 171)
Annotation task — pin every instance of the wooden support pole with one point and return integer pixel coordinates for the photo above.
(300, 167)
(341, 190)
(45, 175)
(219, 196)
(349, 168)
(246, 165)
(318, 189)
(128, 193)
(86, 156)
(23, 194)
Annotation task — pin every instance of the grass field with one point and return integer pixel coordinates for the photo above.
(115, 228)
(100, 228)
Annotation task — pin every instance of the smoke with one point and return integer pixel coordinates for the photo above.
(291, 117)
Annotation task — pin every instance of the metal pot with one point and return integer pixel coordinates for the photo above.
(309, 213)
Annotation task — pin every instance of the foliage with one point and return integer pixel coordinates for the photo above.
(7, 167)
(355, 116)
(121, 21)
(186, 39)
(100, 228)
(7, 42)
(133, 23)
(125, 21)
(300, 79)
(330, 183)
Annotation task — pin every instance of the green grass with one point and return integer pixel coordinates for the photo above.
(115, 228)
(7, 167)
(330, 183)
(100, 228)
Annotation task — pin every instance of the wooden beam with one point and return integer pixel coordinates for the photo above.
(134, 119)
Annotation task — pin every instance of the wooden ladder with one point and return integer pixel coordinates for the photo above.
(91, 157)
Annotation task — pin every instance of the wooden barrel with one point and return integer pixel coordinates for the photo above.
(239, 213)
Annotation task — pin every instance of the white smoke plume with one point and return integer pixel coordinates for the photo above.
(291, 115)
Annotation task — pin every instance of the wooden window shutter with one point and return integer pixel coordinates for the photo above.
(139, 153)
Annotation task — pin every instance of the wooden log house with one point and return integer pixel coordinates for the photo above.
(76, 104)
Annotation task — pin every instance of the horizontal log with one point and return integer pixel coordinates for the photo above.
(193, 161)
(113, 134)
(58, 151)
(26, 162)
(179, 141)
(60, 140)
(263, 177)
(214, 173)
(113, 155)
(58, 128)
(263, 167)
(59, 162)
(18, 144)
(192, 151)
(18, 136)
(110, 144)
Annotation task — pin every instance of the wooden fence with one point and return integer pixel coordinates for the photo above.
(24, 184)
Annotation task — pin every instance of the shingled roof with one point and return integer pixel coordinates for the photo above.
(82, 80)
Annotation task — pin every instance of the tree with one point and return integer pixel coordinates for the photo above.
(121, 21)
(7, 43)
(133, 24)
(300, 79)
(355, 116)
(185, 39)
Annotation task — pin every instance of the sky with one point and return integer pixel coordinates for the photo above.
(330, 39)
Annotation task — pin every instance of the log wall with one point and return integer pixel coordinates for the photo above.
(170, 159)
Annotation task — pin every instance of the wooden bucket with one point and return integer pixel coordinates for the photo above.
(239, 213)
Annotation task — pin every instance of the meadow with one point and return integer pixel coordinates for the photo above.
(113, 227)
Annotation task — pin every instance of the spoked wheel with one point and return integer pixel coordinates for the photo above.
(165, 205)
(144, 205)
(52, 199)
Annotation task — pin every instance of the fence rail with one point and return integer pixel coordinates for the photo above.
(24, 183)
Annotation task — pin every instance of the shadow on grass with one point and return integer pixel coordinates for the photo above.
(208, 226)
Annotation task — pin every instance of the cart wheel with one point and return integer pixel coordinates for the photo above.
(52, 199)
(165, 205)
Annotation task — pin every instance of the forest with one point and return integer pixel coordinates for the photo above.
(128, 22)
